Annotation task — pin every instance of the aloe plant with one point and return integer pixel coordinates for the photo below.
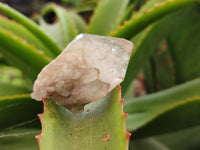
(166, 38)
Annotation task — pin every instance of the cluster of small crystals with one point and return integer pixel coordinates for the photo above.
(88, 68)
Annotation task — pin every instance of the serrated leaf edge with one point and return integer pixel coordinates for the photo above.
(128, 134)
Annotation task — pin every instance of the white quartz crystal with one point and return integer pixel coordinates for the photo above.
(88, 68)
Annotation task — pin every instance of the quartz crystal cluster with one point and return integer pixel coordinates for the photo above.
(88, 68)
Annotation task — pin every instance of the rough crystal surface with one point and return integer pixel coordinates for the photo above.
(88, 68)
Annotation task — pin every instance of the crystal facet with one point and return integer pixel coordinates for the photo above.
(88, 68)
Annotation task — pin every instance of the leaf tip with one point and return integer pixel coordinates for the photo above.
(38, 138)
(128, 135)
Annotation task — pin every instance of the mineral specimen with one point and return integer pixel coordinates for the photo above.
(88, 68)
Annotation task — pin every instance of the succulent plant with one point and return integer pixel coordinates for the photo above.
(164, 65)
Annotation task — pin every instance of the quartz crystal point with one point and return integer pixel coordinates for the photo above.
(88, 68)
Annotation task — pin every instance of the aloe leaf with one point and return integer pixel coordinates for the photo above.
(56, 32)
(180, 141)
(9, 89)
(31, 26)
(147, 6)
(2, 60)
(22, 109)
(78, 21)
(106, 19)
(21, 54)
(148, 108)
(86, 6)
(52, 30)
(22, 32)
(174, 43)
(141, 3)
(100, 126)
(162, 68)
(19, 141)
(127, 14)
(149, 77)
(18, 63)
(14, 76)
(179, 116)
(188, 69)
(138, 23)
(187, 22)
(68, 28)
(137, 58)
(150, 144)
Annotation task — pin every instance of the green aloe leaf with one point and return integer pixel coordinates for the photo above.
(21, 54)
(178, 40)
(67, 26)
(147, 144)
(19, 140)
(24, 123)
(22, 32)
(161, 69)
(163, 109)
(138, 58)
(2, 60)
(180, 141)
(22, 109)
(128, 13)
(170, 32)
(182, 115)
(11, 90)
(107, 16)
(138, 23)
(79, 22)
(14, 76)
(31, 26)
(52, 30)
(100, 126)
(186, 63)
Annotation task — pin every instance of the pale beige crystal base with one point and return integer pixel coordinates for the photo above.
(88, 68)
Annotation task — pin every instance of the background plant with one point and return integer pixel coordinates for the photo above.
(165, 59)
